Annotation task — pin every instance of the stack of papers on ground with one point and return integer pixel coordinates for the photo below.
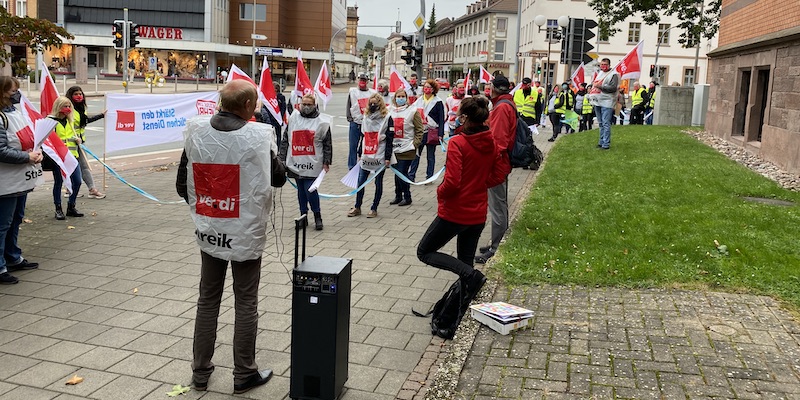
(502, 317)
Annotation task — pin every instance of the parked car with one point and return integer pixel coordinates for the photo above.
(443, 84)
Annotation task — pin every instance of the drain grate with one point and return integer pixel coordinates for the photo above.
(771, 202)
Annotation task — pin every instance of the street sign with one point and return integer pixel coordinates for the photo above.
(257, 36)
(483, 56)
(466, 67)
(268, 51)
(419, 22)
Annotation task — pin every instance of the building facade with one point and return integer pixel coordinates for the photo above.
(439, 52)
(539, 49)
(486, 36)
(193, 38)
(754, 98)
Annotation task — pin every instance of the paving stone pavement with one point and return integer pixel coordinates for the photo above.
(114, 298)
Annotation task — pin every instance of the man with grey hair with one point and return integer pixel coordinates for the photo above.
(603, 97)
(383, 89)
(226, 170)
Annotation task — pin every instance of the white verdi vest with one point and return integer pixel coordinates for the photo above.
(305, 135)
(403, 129)
(229, 187)
(17, 178)
(359, 101)
(373, 148)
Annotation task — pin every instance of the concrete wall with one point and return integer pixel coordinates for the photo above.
(673, 105)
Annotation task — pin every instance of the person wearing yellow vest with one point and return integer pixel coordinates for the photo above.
(526, 98)
(651, 103)
(62, 113)
(637, 104)
(79, 121)
(581, 106)
(565, 101)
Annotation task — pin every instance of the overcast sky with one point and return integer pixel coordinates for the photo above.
(384, 12)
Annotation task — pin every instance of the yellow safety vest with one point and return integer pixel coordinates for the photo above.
(565, 102)
(653, 100)
(526, 105)
(637, 96)
(67, 135)
(76, 123)
(587, 106)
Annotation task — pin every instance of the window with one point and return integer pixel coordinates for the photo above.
(553, 31)
(22, 8)
(663, 34)
(246, 12)
(688, 77)
(499, 50)
(634, 32)
(4, 3)
(502, 26)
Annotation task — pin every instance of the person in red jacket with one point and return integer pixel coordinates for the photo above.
(503, 121)
(473, 165)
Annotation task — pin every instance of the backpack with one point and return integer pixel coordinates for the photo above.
(447, 313)
(538, 157)
(521, 154)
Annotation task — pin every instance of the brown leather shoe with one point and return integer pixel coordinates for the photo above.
(354, 212)
(372, 214)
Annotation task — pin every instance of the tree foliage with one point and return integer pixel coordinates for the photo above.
(369, 45)
(32, 32)
(695, 23)
(432, 20)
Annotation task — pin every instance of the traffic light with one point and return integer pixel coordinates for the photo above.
(118, 32)
(652, 70)
(418, 55)
(575, 44)
(538, 69)
(408, 49)
(133, 33)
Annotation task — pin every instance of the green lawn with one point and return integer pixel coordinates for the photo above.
(647, 213)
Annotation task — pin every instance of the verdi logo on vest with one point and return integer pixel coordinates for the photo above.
(217, 190)
(126, 120)
(398, 130)
(303, 142)
(370, 143)
(362, 104)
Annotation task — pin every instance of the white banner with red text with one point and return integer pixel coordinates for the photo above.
(137, 120)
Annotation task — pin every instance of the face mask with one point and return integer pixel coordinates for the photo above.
(460, 92)
(78, 98)
(307, 109)
(458, 122)
(488, 93)
(427, 90)
(362, 85)
(565, 88)
(401, 101)
(65, 110)
(373, 108)
(16, 97)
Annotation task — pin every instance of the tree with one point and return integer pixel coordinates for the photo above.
(432, 20)
(696, 21)
(369, 45)
(32, 32)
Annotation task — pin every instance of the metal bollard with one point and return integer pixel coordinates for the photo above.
(197, 83)
(65, 83)
(95, 84)
(176, 83)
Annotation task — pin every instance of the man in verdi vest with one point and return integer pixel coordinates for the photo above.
(225, 176)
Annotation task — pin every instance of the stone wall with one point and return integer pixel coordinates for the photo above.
(743, 20)
(673, 105)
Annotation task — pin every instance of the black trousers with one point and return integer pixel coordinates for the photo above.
(439, 233)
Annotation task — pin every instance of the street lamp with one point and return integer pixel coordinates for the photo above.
(658, 47)
(553, 33)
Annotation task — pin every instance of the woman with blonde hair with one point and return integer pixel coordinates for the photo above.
(408, 130)
(62, 113)
(375, 149)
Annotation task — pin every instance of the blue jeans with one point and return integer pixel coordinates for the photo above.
(354, 136)
(604, 115)
(648, 119)
(58, 181)
(8, 207)
(431, 157)
(304, 197)
(362, 177)
(402, 190)
(12, 254)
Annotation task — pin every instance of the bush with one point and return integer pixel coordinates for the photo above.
(32, 76)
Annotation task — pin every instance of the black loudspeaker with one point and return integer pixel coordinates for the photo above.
(320, 328)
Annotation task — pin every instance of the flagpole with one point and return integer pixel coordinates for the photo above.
(105, 143)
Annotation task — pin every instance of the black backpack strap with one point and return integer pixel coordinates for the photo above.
(511, 103)
(419, 314)
(5, 120)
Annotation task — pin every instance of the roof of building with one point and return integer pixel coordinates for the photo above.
(492, 6)
(443, 26)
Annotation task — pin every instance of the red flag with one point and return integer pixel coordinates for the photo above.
(630, 67)
(302, 83)
(484, 76)
(375, 82)
(237, 73)
(467, 78)
(578, 76)
(396, 81)
(323, 85)
(52, 145)
(594, 76)
(49, 92)
(266, 92)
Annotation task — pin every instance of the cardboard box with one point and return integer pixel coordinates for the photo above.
(497, 326)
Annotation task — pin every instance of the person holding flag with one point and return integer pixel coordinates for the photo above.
(408, 130)
(307, 150)
(19, 168)
(80, 120)
(357, 100)
(603, 98)
(65, 129)
(451, 104)
(414, 91)
(431, 109)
